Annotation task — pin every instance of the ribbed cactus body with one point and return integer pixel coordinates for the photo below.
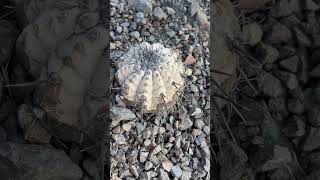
(150, 75)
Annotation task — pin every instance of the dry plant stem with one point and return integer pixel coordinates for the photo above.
(222, 117)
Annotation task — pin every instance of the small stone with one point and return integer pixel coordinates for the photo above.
(126, 127)
(156, 150)
(281, 9)
(295, 106)
(167, 165)
(135, 34)
(146, 133)
(288, 79)
(119, 139)
(170, 10)
(199, 124)
(164, 175)
(315, 72)
(190, 60)
(120, 114)
(291, 64)
(112, 46)
(143, 156)
(186, 175)
(252, 33)
(119, 29)
(176, 171)
(171, 33)
(140, 127)
(185, 124)
(279, 34)
(188, 72)
(139, 18)
(134, 171)
(148, 165)
(302, 38)
(194, 88)
(295, 127)
(311, 5)
(312, 140)
(272, 86)
(269, 53)
(314, 116)
(159, 13)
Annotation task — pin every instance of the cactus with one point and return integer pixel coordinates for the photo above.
(150, 76)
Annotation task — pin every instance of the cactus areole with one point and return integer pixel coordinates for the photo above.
(150, 77)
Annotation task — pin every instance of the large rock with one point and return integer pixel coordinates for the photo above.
(63, 44)
(224, 59)
(36, 162)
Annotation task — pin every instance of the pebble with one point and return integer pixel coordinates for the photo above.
(135, 34)
(167, 165)
(148, 165)
(159, 14)
(164, 175)
(176, 171)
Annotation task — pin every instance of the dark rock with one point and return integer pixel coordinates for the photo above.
(75, 154)
(288, 79)
(313, 161)
(295, 127)
(271, 86)
(315, 72)
(268, 53)
(234, 162)
(40, 162)
(281, 9)
(279, 34)
(302, 38)
(91, 167)
(291, 64)
(296, 106)
(30, 121)
(314, 116)
(312, 140)
(286, 51)
(313, 176)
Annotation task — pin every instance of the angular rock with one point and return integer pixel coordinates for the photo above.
(39, 162)
(281, 9)
(163, 175)
(118, 114)
(288, 79)
(291, 64)
(279, 34)
(30, 123)
(176, 171)
(252, 33)
(296, 106)
(312, 140)
(271, 86)
(315, 72)
(234, 162)
(91, 167)
(167, 165)
(295, 127)
(159, 13)
(269, 53)
(314, 116)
